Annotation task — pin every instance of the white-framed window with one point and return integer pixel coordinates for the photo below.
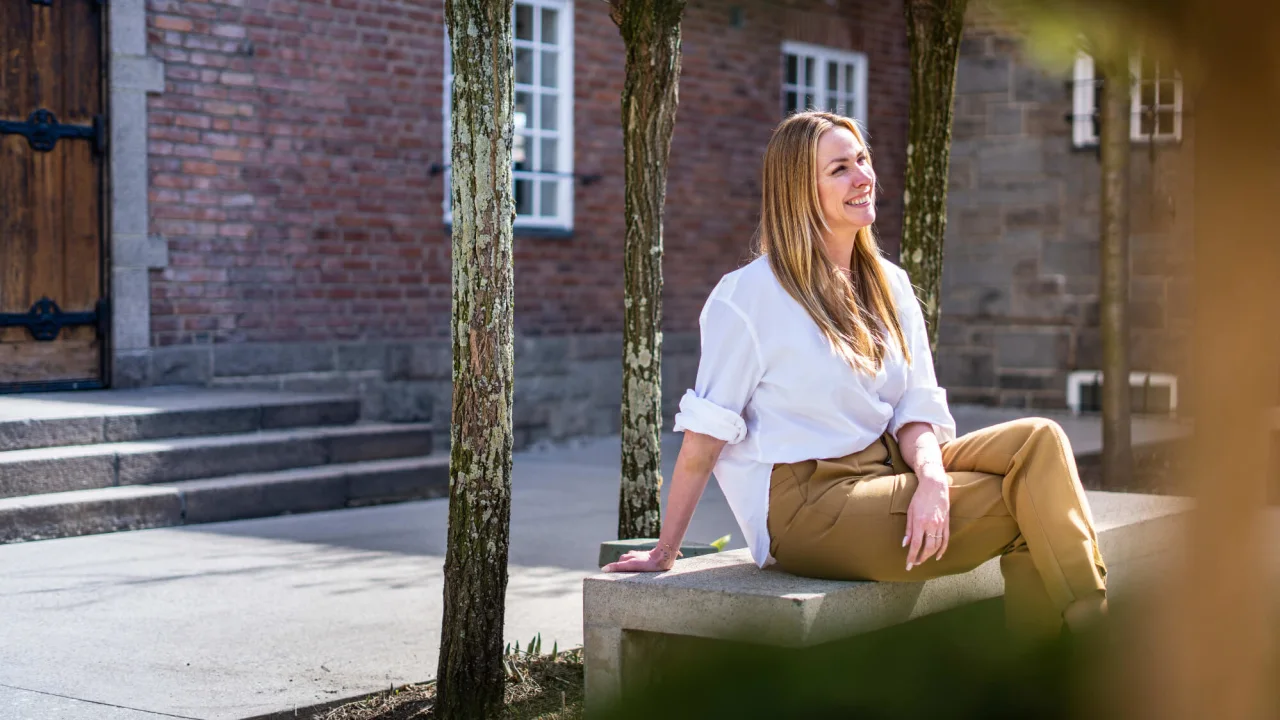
(1155, 106)
(821, 78)
(542, 153)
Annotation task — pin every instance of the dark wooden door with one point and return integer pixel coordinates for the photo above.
(52, 143)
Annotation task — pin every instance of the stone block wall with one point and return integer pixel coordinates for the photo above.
(1021, 275)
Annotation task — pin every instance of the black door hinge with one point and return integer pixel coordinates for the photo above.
(45, 320)
(43, 131)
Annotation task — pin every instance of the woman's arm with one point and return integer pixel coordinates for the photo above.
(929, 515)
(698, 455)
(920, 447)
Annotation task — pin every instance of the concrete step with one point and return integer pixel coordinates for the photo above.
(85, 467)
(235, 497)
(42, 420)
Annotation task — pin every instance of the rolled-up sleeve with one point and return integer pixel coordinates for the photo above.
(923, 400)
(728, 371)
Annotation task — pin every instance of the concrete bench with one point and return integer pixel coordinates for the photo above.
(726, 597)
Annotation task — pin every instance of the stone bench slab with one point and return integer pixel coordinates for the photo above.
(726, 597)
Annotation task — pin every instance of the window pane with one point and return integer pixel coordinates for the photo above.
(524, 197)
(1148, 95)
(523, 109)
(791, 70)
(1094, 114)
(1165, 122)
(833, 77)
(520, 152)
(549, 148)
(1148, 69)
(1166, 94)
(1145, 124)
(809, 79)
(550, 26)
(549, 197)
(808, 101)
(789, 106)
(848, 79)
(524, 22)
(1094, 111)
(549, 67)
(524, 66)
(550, 112)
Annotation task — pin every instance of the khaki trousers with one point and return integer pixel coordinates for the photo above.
(1015, 494)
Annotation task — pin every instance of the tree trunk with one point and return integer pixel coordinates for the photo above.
(1231, 615)
(651, 32)
(470, 676)
(1114, 109)
(934, 28)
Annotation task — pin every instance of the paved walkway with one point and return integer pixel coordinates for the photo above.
(232, 620)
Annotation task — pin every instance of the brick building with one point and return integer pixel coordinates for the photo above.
(273, 176)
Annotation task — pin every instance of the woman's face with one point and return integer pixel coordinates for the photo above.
(846, 182)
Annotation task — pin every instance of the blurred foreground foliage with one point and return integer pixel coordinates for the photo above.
(956, 665)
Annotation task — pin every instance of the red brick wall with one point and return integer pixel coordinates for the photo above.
(290, 151)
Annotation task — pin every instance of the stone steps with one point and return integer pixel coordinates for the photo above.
(77, 463)
(214, 499)
(61, 419)
(85, 467)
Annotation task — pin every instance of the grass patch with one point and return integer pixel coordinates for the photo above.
(546, 687)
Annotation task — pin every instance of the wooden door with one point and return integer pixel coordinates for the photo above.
(52, 157)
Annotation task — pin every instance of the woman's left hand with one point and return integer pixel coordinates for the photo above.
(928, 517)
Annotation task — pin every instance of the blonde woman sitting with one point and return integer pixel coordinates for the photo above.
(817, 407)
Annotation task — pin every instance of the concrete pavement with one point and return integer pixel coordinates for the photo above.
(231, 620)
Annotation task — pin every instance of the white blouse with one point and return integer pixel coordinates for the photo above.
(770, 385)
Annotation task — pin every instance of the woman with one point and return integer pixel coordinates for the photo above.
(817, 407)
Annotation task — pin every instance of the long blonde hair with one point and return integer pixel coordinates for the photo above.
(855, 313)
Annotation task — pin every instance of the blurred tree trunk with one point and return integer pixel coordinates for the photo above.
(1113, 141)
(651, 32)
(934, 28)
(470, 676)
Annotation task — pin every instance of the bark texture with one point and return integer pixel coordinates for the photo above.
(470, 674)
(1113, 302)
(651, 33)
(934, 28)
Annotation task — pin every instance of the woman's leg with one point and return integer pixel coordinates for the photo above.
(1041, 488)
(845, 518)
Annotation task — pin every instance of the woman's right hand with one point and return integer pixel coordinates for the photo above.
(656, 560)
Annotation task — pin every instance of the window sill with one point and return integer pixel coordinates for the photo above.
(1133, 144)
(534, 233)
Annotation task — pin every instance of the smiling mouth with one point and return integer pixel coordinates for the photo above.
(863, 201)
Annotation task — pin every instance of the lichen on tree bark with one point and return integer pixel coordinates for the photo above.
(651, 33)
(934, 28)
(469, 675)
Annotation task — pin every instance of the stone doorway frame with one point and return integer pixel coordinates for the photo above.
(131, 251)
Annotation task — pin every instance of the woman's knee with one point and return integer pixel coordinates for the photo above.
(1042, 429)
